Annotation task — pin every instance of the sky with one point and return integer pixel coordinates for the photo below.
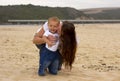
(78, 4)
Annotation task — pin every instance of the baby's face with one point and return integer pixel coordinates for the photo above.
(53, 26)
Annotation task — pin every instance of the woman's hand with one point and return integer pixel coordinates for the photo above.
(52, 39)
(50, 44)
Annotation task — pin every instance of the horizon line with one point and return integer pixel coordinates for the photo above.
(58, 6)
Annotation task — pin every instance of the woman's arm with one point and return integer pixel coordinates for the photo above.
(38, 37)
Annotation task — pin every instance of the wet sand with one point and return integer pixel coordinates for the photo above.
(97, 57)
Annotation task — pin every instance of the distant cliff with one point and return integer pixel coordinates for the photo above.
(37, 12)
(103, 13)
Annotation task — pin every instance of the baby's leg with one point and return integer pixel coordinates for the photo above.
(53, 68)
(43, 67)
(44, 61)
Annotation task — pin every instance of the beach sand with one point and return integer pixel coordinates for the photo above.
(97, 57)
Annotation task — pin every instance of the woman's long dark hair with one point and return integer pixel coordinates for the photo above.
(68, 43)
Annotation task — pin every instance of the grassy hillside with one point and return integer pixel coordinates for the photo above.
(37, 12)
(103, 13)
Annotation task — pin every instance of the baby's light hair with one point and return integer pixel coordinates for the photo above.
(54, 18)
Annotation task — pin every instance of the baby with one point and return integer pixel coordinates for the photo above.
(53, 24)
(49, 55)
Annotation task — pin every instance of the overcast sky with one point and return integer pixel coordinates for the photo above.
(78, 4)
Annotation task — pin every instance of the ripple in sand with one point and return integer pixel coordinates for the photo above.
(102, 68)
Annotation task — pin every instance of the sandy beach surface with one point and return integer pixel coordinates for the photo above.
(97, 57)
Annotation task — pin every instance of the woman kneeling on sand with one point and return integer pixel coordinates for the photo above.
(67, 43)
